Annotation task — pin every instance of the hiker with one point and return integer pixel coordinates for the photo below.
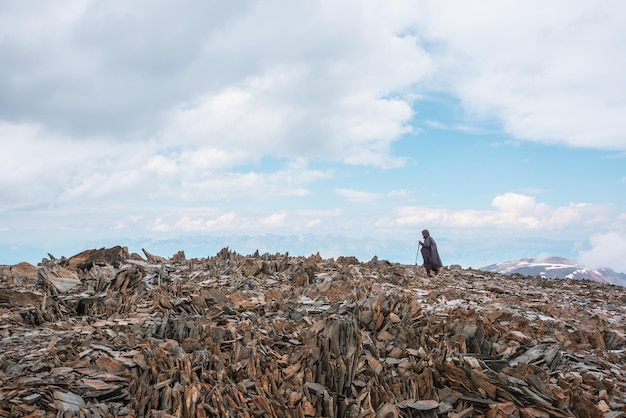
(432, 261)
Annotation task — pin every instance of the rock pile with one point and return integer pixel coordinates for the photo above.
(106, 333)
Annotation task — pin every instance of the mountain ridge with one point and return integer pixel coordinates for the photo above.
(555, 267)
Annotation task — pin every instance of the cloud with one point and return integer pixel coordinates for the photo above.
(258, 118)
(275, 220)
(361, 196)
(607, 249)
(553, 76)
(100, 88)
(242, 80)
(313, 223)
(43, 168)
(247, 221)
(40, 169)
(225, 221)
(244, 77)
(512, 212)
(52, 56)
(357, 196)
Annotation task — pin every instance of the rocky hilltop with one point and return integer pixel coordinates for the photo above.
(106, 333)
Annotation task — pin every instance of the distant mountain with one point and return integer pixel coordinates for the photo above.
(557, 268)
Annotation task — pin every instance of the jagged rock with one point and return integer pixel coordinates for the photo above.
(18, 274)
(61, 279)
(153, 258)
(25, 270)
(105, 256)
(179, 257)
(250, 267)
(278, 336)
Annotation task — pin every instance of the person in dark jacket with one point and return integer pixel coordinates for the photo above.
(432, 261)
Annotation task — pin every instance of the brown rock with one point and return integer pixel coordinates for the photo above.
(274, 335)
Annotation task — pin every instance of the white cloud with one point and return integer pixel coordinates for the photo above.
(243, 80)
(42, 168)
(248, 221)
(161, 164)
(607, 249)
(255, 119)
(313, 223)
(357, 196)
(275, 220)
(232, 118)
(515, 203)
(362, 196)
(250, 185)
(335, 87)
(325, 213)
(225, 221)
(513, 212)
(550, 72)
(209, 97)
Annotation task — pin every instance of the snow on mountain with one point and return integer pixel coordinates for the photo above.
(557, 268)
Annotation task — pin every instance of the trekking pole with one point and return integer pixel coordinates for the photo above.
(417, 253)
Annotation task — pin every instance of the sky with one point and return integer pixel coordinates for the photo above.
(499, 126)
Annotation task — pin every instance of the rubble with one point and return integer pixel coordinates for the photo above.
(106, 333)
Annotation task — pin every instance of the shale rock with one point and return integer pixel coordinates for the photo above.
(110, 334)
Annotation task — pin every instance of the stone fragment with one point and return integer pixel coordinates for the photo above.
(277, 335)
